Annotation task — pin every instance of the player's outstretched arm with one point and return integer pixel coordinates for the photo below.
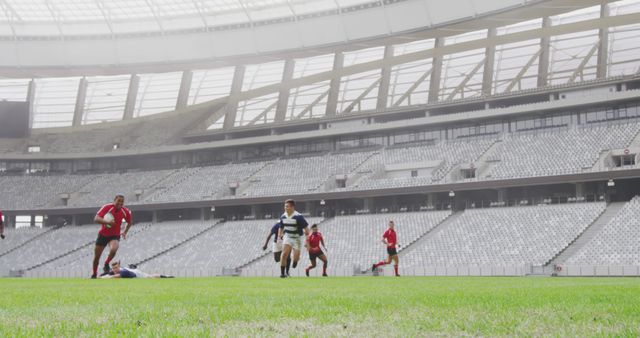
(266, 242)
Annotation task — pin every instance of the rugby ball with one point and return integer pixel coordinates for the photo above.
(108, 217)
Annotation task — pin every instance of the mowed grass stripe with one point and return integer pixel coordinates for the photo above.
(360, 306)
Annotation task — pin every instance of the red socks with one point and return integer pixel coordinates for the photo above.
(395, 268)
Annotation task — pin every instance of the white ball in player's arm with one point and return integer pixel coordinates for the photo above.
(108, 218)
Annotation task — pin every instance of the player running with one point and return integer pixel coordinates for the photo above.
(111, 216)
(120, 272)
(276, 246)
(391, 240)
(315, 251)
(292, 227)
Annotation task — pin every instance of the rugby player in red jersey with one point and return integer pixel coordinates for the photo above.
(315, 251)
(391, 240)
(110, 216)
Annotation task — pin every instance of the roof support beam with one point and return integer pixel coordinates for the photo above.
(81, 97)
(309, 108)
(603, 47)
(489, 61)
(132, 94)
(516, 80)
(413, 87)
(334, 86)
(580, 69)
(385, 73)
(232, 106)
(361, 96)
(436, 73)
(185, 89)
(263, 113)
(31, 98)
(460, 87)
(283, 95)
(545, 47)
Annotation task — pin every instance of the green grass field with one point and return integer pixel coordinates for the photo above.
(359, 306)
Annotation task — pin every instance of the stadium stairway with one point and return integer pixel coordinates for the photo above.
(407, 247)
(427, 236)
(30, 240)
(487, 159)
(587, 234)
(169, 249)
(160, 187)
(157, 187)
(244, 185)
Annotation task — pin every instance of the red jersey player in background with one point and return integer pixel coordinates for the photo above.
(110, 216)
(391, 240)
(1, 226)
(313, 244)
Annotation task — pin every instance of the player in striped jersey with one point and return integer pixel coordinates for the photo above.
(292, 227)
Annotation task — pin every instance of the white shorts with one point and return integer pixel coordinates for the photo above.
(276, 246)
(140, 274)
(294, 240)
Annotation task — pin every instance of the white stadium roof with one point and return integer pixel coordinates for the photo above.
(74, 77)
(45, 37)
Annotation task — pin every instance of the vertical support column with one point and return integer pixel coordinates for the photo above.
(368, 204)
(130, 104)
(32, 221)
(312, 208)
(603, 47)
(502, 195)
(430, 200)
(334, 87)
(580, 189)
(185, 88)
(489, 61)
(74, 220)
(283, 96)
(232, 105)
(155, 217)
(81, 97)
(434, 84)
(31, 97)
(385, 79)
(543, 63)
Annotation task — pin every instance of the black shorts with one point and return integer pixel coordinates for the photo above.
(313, 256)
(103, 241)
(392, 251)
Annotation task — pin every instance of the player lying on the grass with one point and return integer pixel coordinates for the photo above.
(1, 226)
(315, 251)
(391, 240)
(276, 246)
(121, 272)
(292, 227)
(111, 216)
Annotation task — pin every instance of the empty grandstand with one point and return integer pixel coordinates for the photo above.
(503, 137)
